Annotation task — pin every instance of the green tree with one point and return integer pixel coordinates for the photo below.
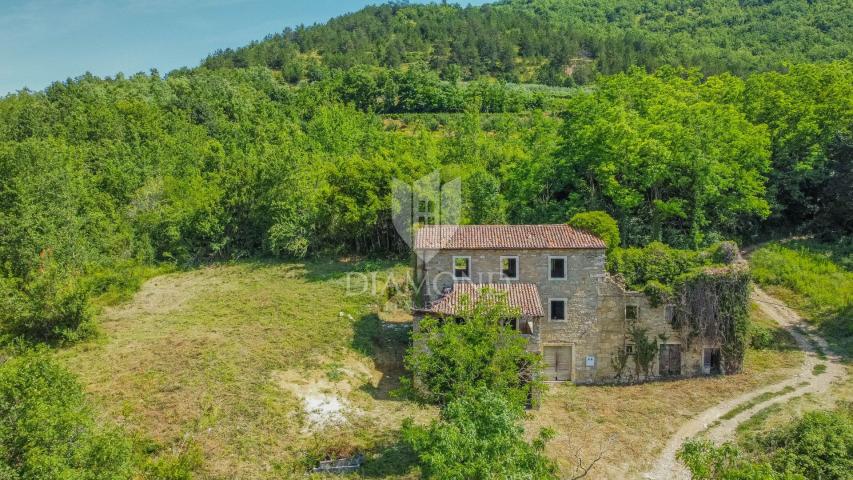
(480, 436)
(484, 203)
(818, 445)
(667, 162)
(451, 358)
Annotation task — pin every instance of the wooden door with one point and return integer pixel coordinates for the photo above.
(670, 360)
(558, 363)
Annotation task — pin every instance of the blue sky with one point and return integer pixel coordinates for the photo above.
(46, 40)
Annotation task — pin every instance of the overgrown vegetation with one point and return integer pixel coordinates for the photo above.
(480, 435)
(451, 358)
(48, 430)
(817, 446)
(713, 305)
(481, 373)
(708, 291)
(815, 278)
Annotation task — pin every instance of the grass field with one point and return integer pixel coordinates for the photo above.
(267, 367)
(816, 279)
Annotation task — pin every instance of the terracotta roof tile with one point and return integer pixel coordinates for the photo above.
(465, 237)
(524, 296)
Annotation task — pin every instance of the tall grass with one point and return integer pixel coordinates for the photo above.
(815, 278)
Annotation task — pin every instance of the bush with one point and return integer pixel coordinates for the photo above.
(817, 446)
(599, 224)
(761, 337)
(655, 261)
(479, 436)
(46, 429)
(51, 306)
(707, 462)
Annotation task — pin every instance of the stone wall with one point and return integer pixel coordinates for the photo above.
(595, 326)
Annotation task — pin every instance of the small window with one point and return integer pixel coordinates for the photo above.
(557, 309)
(557, 268)
(632, 312)
(629, 349)
(509, 268)
(512, 323)
(669, 312)
(462, 267)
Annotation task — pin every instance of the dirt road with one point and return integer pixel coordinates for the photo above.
(804, 381)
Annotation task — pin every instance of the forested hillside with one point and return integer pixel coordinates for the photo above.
(560, 42)
(103, 176)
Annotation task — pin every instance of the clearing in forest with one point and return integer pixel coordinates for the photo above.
(269, 366)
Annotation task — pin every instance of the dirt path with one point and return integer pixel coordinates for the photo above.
(804, 381)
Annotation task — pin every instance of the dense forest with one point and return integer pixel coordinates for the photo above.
(560, 42)
(101, 176)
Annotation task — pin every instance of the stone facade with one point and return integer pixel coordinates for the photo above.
(595, 327)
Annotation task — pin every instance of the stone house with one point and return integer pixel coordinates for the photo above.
(572, 311)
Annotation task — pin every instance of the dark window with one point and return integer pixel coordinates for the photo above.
(558, 309)
(509, 267)
(512, 323)
(629, 349)
(558, 268)
(632, 312)
(461, 267)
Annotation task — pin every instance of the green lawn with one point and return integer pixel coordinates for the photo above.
(816, 279)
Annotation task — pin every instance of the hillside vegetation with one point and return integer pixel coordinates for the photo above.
(815, 278)
(560, 42)
(102, 175)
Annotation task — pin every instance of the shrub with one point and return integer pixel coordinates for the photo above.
(819, 445)
(46, 430)
(655, 261)
(761, 337)
(599, 224)
(479, 436)
(50, 306)
(707, 462)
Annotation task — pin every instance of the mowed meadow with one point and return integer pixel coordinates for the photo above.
(263, 365)
(267, 367)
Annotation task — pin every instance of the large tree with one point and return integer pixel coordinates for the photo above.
(667, 154)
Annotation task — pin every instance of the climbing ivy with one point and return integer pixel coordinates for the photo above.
(713, 304)
(645, 350)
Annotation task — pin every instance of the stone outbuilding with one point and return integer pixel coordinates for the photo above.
(571, 310)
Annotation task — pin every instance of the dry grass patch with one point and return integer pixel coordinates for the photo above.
(632, 423)
(236, 357)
